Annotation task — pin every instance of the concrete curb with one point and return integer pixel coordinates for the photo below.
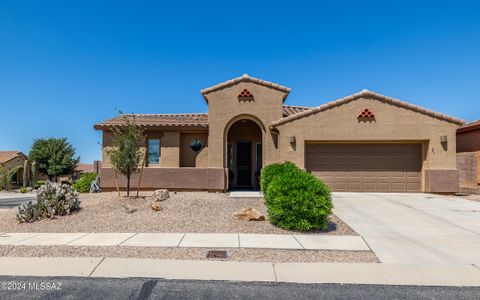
(383, 274)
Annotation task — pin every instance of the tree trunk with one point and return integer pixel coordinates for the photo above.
(128, 186)
(141, 173)
(116, 181)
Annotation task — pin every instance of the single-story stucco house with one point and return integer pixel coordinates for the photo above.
(13, 159)
(362, 142)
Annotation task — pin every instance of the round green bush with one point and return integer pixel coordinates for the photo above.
(297, 200)
(83, 184)
(273, 170)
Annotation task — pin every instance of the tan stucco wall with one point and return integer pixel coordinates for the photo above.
(392, 124)
(179, 168)
(188, 158)
(170, 143)
(210, 179)
(16, 162)
(468, 141)
(224, 109)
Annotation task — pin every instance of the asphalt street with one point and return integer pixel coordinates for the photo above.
(135, 288)
(7, 201)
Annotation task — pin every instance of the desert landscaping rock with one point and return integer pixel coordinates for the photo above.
(130, 209)
(156, 206)
(195, 212)
(249, 214)
(161, 195)
(254, 255)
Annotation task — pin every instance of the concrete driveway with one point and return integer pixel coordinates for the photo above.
(8, 200)
(414, 228)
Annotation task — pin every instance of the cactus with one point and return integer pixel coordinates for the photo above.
(53, 199)
(34, 175)
(25, 173)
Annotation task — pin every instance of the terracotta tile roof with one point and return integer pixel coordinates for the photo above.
(87, 168)
(181, 120)
(159, 120)
(9, 155)
(372, 95)
(245, 78)
(289, 110)
(469, 126)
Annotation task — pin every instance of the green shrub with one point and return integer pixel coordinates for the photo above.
(297, 200)
(83, 184)
(52, 199)
(273, 170)
(39, 183)
(23, 190)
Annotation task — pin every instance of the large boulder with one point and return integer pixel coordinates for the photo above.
(249, 214)
(160, 195)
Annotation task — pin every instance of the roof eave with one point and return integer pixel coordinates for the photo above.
(244, 78)
(468, 128)
(110, 127)
(368, 94)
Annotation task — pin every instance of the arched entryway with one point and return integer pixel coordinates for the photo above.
(244, 154)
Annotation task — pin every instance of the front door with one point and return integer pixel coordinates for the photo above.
(244, 164)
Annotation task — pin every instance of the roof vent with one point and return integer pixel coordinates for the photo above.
(245, 95)
(366, 115)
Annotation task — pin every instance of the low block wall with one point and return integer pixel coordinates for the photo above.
(467, 165)
(441, 181)
(209, 179)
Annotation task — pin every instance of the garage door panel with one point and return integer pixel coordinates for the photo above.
(366, 167)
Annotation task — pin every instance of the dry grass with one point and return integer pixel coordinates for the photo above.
(183, 212)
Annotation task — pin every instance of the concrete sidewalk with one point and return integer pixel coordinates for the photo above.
(388, 274)
(189, 240)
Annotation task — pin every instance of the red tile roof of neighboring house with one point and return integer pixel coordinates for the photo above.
(86, 168)
(367, 94)
(159, 120)
(9, 155)
(469, 126)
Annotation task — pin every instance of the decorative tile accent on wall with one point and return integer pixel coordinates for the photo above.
(245, 95)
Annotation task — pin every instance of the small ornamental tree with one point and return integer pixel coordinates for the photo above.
(53, 157)
(125, 156)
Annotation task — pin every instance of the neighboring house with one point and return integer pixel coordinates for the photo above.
(362, 142)
(12, 159)
(468, 156)
(81, 169)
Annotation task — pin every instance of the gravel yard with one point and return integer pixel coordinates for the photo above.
(190, 212)
(257, 255)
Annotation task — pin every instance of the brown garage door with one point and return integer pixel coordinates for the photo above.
(366, 167)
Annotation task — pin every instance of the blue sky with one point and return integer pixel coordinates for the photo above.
(65, 65)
